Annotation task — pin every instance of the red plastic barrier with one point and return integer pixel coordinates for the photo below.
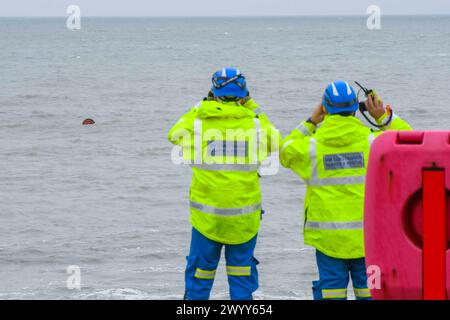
(407, 215)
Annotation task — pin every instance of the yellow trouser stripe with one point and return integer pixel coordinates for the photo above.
(334, 293)
(362, 293)
(238, 271)
(204, 274)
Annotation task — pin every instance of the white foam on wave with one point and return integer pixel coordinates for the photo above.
(125, 294)
(439, 55)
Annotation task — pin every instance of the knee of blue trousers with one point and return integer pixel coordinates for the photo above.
(243, 280)
(359, 279)
(199, 279)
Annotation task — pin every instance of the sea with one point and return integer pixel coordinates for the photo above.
(101, 211)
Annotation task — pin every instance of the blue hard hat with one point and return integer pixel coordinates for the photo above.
(229, 82)
(340, 97)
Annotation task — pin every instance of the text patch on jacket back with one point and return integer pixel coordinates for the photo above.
(227, 148)
(343, 161)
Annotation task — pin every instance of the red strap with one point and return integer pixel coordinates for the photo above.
(434, 235)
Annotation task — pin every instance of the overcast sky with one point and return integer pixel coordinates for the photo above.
(219, 8)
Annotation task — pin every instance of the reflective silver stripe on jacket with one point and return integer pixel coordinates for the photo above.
(336, 181)
(227, 167)
(354, 225)
(257, 138)
(286, 145)
(303, 129)
(226, 212)
(315, 181)
(312, 156)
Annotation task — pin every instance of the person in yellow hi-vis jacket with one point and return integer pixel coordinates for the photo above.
(224, 138)
(332, 159)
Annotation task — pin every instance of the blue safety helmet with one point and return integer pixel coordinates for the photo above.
(229, 82)
(340, 97)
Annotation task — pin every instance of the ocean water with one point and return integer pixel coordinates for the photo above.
(107, 197)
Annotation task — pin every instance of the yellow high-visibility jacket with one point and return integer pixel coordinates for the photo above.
(332, 160)
(225, 143)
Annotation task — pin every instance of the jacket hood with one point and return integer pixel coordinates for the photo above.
(339, 131)
(214, 109)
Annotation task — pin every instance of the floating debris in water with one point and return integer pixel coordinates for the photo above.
(88, 122)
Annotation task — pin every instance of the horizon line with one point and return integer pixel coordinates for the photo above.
(242, 16)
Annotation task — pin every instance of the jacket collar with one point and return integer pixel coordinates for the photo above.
(337, 130)
(214, 109)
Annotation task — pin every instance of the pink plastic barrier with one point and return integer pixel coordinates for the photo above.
(407, 215)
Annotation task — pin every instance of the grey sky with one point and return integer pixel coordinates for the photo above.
(219, 8)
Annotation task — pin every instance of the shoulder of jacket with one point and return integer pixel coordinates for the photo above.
(198, 105)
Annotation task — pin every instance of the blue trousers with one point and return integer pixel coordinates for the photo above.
(334, 277)
(202, 263)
